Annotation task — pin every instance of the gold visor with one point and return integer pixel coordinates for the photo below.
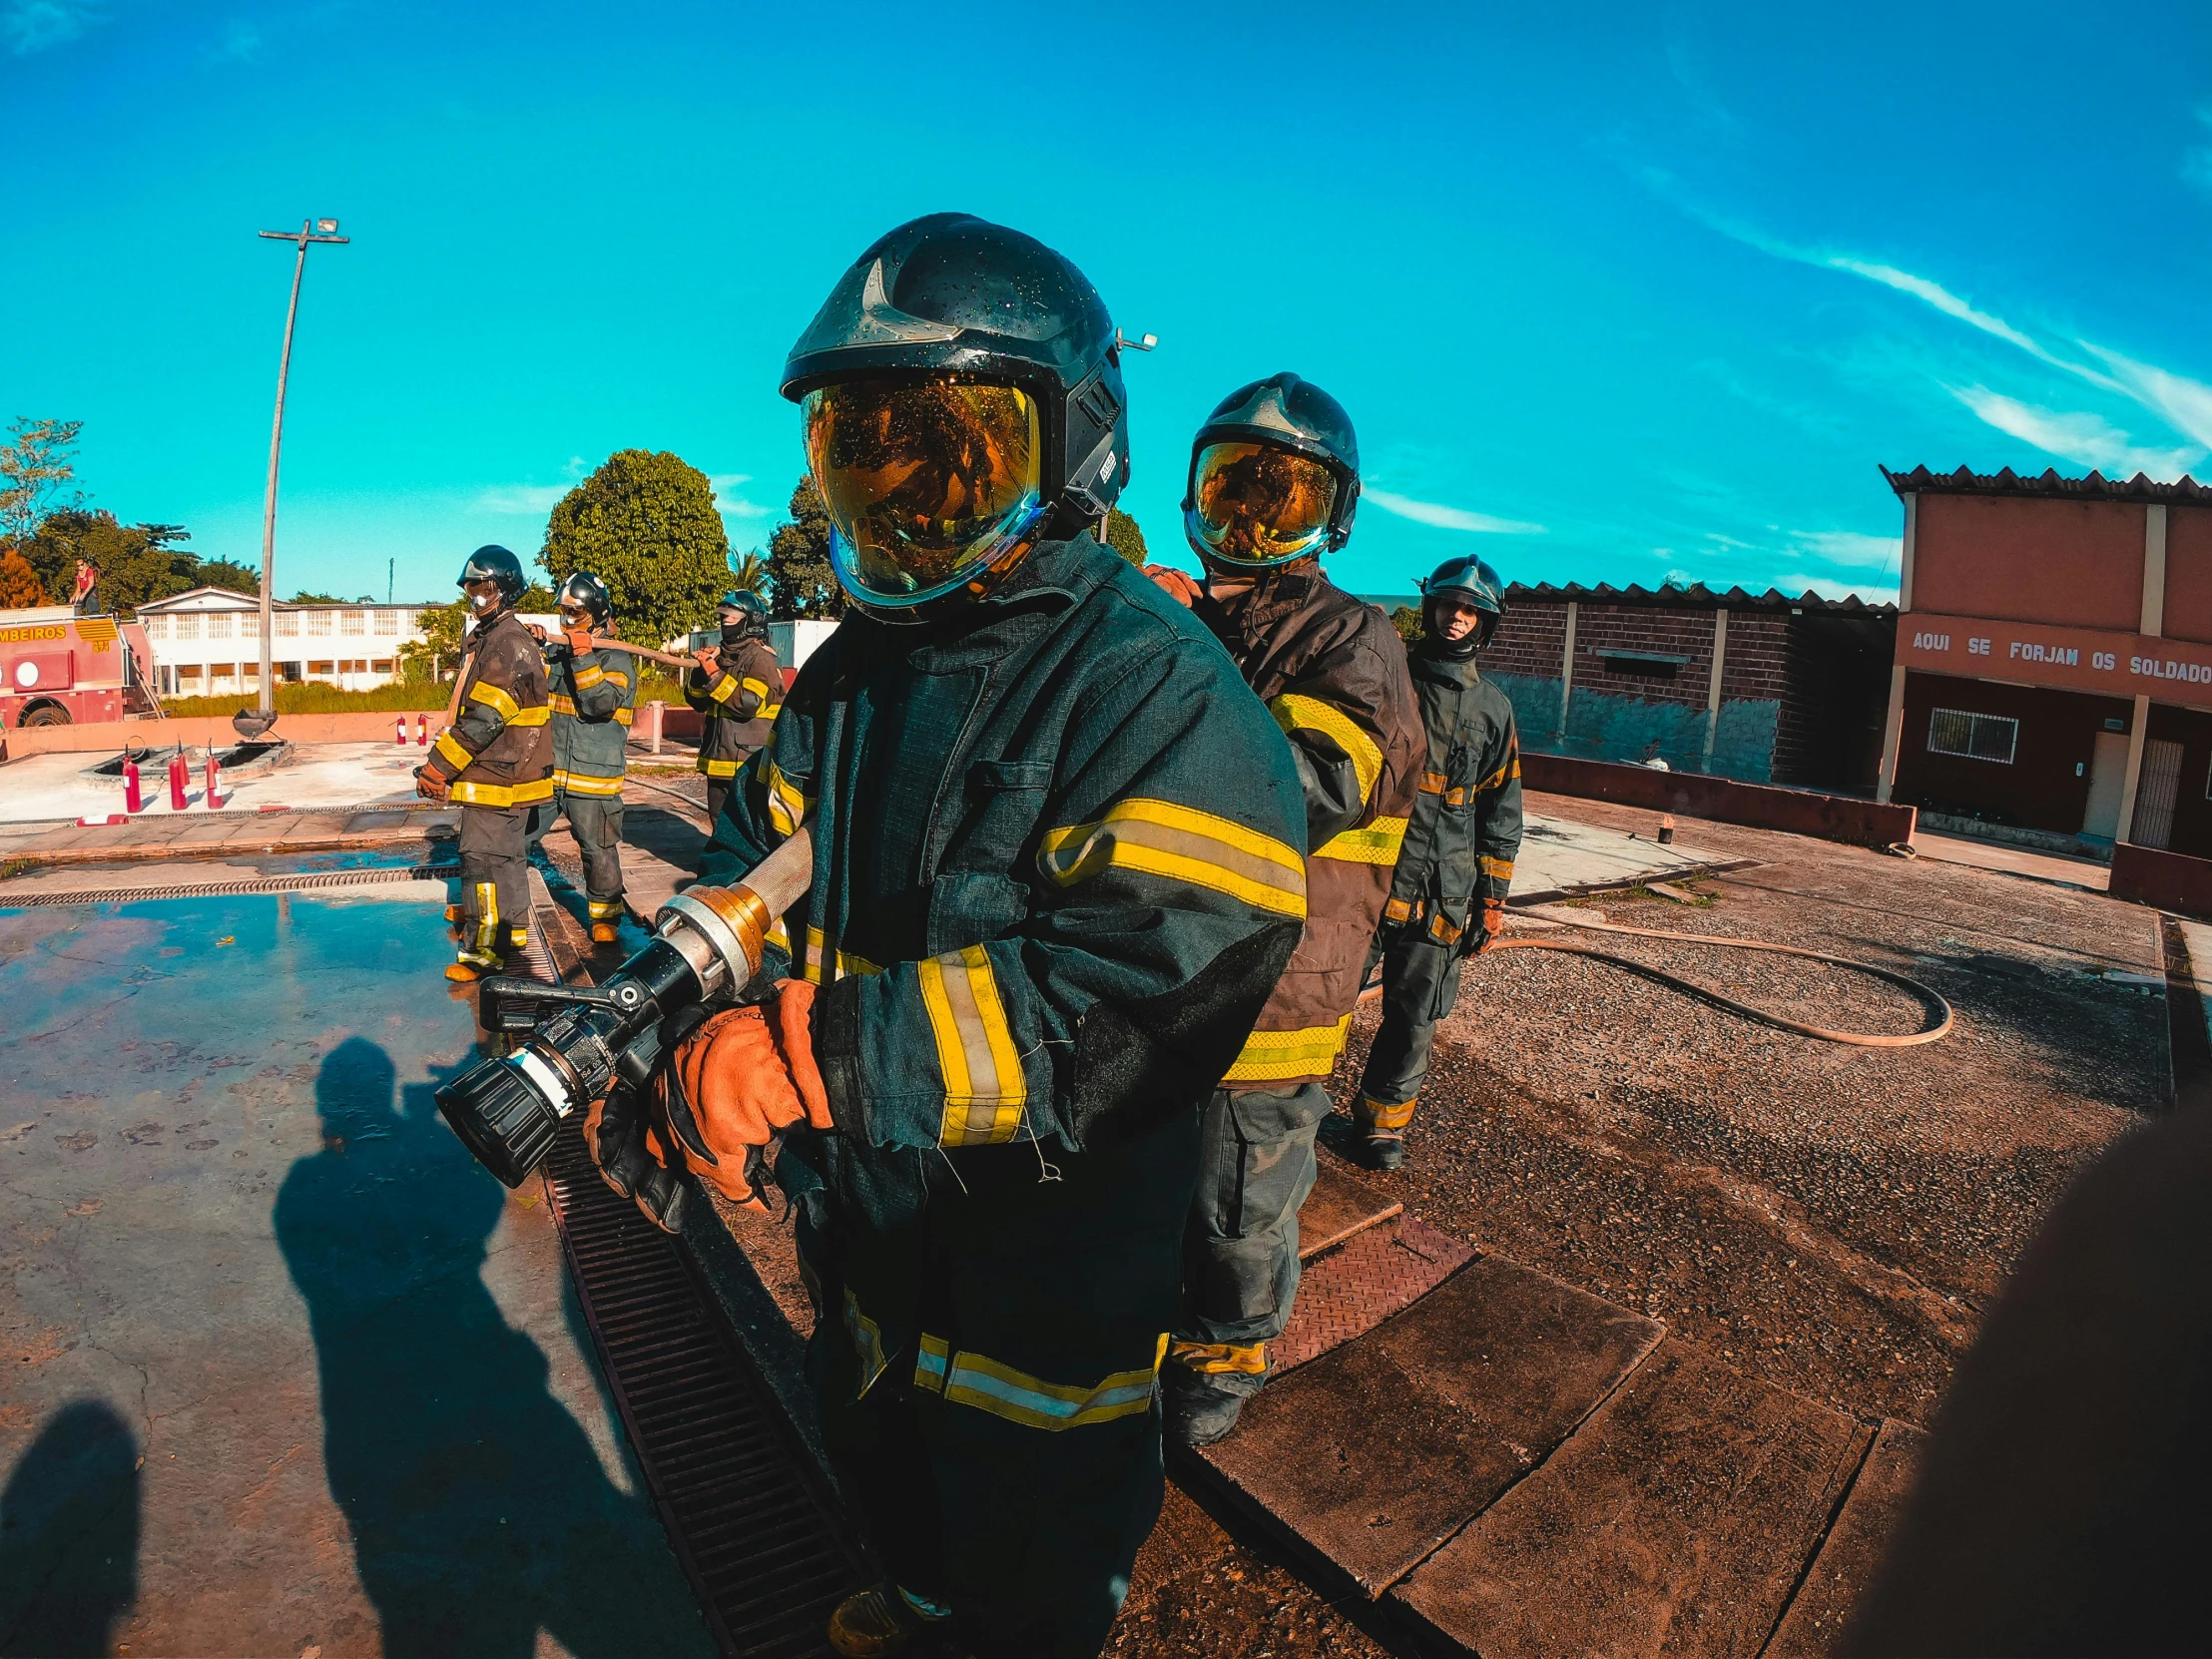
(1252, 503)
(924, 482)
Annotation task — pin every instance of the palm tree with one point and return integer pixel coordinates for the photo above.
(751, 571)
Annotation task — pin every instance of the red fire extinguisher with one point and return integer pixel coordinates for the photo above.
(399, 730)
(180, 774)
(132, 798)
(421, 733)
(215, 780)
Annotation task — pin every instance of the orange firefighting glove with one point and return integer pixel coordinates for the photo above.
(739, 1080)
(430, 785)
(1485, 929)
(1177, 585)
(579, 640)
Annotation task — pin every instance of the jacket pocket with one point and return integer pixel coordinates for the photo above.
(1001, 802)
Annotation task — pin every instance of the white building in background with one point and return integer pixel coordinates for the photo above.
(207, 643)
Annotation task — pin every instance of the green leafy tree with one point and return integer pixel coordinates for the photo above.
(226, 574)
(438, 653)
(138, 563)
(646, 525)
(801, 581)
(303, 597)
(749, 571)
(1408, 624)
(33, 470)
(19, 583)
(1123, 536)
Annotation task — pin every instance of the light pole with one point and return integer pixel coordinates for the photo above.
(310, 230)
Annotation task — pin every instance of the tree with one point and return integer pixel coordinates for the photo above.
(1408, 624)
(303, 597)
(646, 525)
(438, 653)
(228, 575)
(19, 583)
(749, 572)
(138, 563)
(801, 581)
(1123, 536)
(33, 470)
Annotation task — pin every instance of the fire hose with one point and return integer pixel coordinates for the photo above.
(1856, 1039)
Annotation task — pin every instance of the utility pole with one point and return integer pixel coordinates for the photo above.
(310, 230)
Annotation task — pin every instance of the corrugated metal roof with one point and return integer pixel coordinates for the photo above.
(1697, 597)
(2142, 487)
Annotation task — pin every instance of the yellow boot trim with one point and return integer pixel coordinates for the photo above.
(1220, 1359)
(1373, 1114)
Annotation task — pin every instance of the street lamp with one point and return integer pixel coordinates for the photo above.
(319, 230)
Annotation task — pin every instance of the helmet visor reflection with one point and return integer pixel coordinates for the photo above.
(925, 482)
(1255, 504)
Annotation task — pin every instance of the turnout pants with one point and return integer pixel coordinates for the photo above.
(717, 788)
(1240, 1244)
(596, 821)
(1420, 981)
(495, 881)
(985, 1355)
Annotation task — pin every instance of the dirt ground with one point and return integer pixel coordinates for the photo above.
(1832, 1218)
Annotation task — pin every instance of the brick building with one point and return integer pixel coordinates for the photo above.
(2053, 673)
(1628, 673)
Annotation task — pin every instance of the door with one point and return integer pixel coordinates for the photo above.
(2108, 780)
(2156, 794)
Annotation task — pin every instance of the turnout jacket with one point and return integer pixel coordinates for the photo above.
(497, 752)
(740, 699)
(1466, 824)
(1332, 671)
(594, 699)
(1058, 861)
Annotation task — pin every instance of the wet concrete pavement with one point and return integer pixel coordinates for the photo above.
(285, 1371)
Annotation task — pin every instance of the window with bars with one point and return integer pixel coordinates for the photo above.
(357, 622)
(187, 627)
(249, 625)
(1973, 737)
(288, 623)
(387, 622)
(318, 622)
(219, 627)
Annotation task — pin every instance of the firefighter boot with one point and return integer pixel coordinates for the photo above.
(1207, 1386)
(603, 932)
(883, 1620)
(1382, 1129)
(471, 968)
(454, 913)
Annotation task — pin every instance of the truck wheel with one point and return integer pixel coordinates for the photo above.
(48, 716)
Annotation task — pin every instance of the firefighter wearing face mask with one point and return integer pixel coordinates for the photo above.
(1447, 894)
(594, 696)
(496, 762)
(1274, 479)
(737, 688)
(1056, 870)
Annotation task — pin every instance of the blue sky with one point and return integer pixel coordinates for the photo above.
(1650, 290)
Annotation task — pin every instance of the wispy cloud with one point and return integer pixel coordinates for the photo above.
(521, 498)
(240, 42)
(2083, 439)
(1828, 588)
(36, 25)
(1852, 549)
(1447, 518)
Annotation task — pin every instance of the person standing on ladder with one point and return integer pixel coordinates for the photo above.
(737, 688)
(594, 695)
(1447, 894)
(496, 763)
(1273, 483)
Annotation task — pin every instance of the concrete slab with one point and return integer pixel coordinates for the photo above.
(2085, 874)
(1375, 1453)
(1813, 1625)
(1339, 1206)
(1561, 856)
(1354, 1287)
(54, 788)
(1677, 1521)
(661, 846)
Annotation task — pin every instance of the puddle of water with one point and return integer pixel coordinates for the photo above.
(315, 1374)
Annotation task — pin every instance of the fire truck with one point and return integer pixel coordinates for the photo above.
(59, 669)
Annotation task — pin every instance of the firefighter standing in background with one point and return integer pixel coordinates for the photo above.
(739, 688)
(594, 696)
(1273, 480)
(496, 762)
(1056, 873)
(1447, 895)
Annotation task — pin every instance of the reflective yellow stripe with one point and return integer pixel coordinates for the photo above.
(1381, 1116)
(1277, 1056)
(602, 910)
(1504, 775)
(842, 963)
(1292, 710)
(560, 704)
(723, 687)
(450, 750)
(588, 676)
(624, 717)
(492, 698)
(787, 807)
(530, 716)
(470, 793)
(1443, 929)
(1216, 1359)
(720, 769)
(1434, 783)
(1378, 844)
(1180, 844)
(1497, 869)
(616, 676)
(868, 1342)
(780, 936)
(757, 688)
(487, 924)
(965, 1379)
(985, 1090)
(584, 782)
(770, 711)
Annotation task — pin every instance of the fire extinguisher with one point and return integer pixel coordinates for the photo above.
(215, 780)
(180, 774)
(421, 733)
(133, 800)
(399, 730)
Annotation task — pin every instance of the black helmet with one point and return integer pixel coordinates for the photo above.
(587, 593)
(1471, 582)
(493, 563)
(992, 357)
(1274, 476)
(750, 614)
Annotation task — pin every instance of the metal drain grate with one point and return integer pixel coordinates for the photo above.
(301, 883)
(1356, 1286)
(746, 1511)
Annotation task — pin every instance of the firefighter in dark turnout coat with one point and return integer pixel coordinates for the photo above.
(1447, 894)
(1058, 866)
(1273, 483)
(594, 696)
(737, 688)
(496, 762)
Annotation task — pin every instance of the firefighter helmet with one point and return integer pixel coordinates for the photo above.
(751, 616)
(493, 563)
(1274, 476)
(1471, 582)
(587, 593)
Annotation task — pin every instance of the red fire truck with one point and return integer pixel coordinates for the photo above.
(58, 667)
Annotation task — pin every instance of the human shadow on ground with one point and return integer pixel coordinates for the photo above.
(68, 1536)
(480, 1512)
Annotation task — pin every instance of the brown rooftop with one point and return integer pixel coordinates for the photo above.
(1696, 597)
(2142, 487)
